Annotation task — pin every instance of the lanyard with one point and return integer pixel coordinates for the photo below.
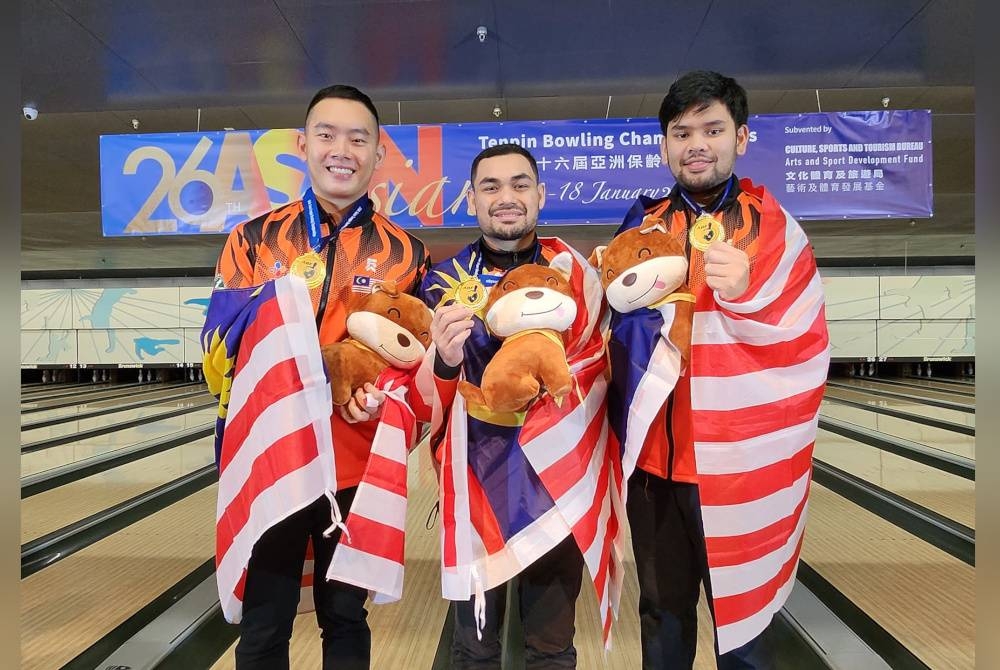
(311, 208)
(698, 209)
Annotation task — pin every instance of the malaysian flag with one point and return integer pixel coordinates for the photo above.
(370, 551)
(514, 486)
(274, 444)
(758, 371)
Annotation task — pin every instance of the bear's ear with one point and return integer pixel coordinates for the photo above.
(597, 255)
(563, 264)
(651, 224)
(389, 287)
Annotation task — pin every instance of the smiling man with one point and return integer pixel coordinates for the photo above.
(502, 517)
(721, 448)
(341, 247)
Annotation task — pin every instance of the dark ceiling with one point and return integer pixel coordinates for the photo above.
(181, 65)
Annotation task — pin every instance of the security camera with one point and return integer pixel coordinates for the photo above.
(481, 33)
(30, 113)
(497, 112)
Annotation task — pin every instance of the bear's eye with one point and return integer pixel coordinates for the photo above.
(424, 334)
(645, 251)
(508, 285)
(610, 273)
(394, 313)
(551, 281)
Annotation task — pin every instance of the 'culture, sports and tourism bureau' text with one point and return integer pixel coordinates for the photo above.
(826, 154)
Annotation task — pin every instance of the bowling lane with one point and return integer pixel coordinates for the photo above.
(35, 408)
(933, 394)
(95, 390)
(150, 411)
(71, 604)
(51, 510)
(939, 438)
(949, 495)
(958, 389)
(73, 410)
(922, 596)
(912, 406)
(36, 390)
(46, 459)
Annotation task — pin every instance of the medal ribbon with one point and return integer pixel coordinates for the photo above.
(311, 208)
(698, 209)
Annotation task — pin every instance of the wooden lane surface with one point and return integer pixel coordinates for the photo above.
(404, 634)
(947, 494)
(939, 438)
(924, 597)
(912, 406)
(84, 406)
(51, 510)
(64, 454)
(933, 394)
(407, 634)
(67, 607)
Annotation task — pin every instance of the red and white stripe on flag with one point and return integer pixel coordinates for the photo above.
(759, 367)
(371, 550)
(570, 447)
(277, 449)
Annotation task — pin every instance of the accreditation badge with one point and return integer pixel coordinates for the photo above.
(311, 268)
(706, 229)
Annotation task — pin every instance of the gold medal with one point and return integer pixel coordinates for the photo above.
(471, 293)
(310, 267)
(706, 229)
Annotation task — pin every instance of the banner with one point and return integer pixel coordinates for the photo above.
(845, 165)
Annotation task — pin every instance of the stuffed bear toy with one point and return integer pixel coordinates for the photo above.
(646, 267)
(529, 309)
(386, 328)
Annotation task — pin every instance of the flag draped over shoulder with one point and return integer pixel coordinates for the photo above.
(758, 370)
(514, 485)
(274, 447)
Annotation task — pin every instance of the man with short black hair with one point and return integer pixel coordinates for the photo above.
(721, 449)
(509, 522)
(340, 245)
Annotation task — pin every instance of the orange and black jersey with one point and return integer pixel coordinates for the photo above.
(669, 453)
(369, 251)
(739, 214)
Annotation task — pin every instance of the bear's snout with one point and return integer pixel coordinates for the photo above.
(533, 295)
(629, 279)
(403, 340)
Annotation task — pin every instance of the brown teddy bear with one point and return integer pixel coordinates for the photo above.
(386, 328)
(647, 267)
(529, 308)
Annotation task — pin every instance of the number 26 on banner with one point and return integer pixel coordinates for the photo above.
(196, 197)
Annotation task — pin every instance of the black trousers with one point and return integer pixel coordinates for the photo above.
(273, 585)
(669, 545)
(547, 590)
